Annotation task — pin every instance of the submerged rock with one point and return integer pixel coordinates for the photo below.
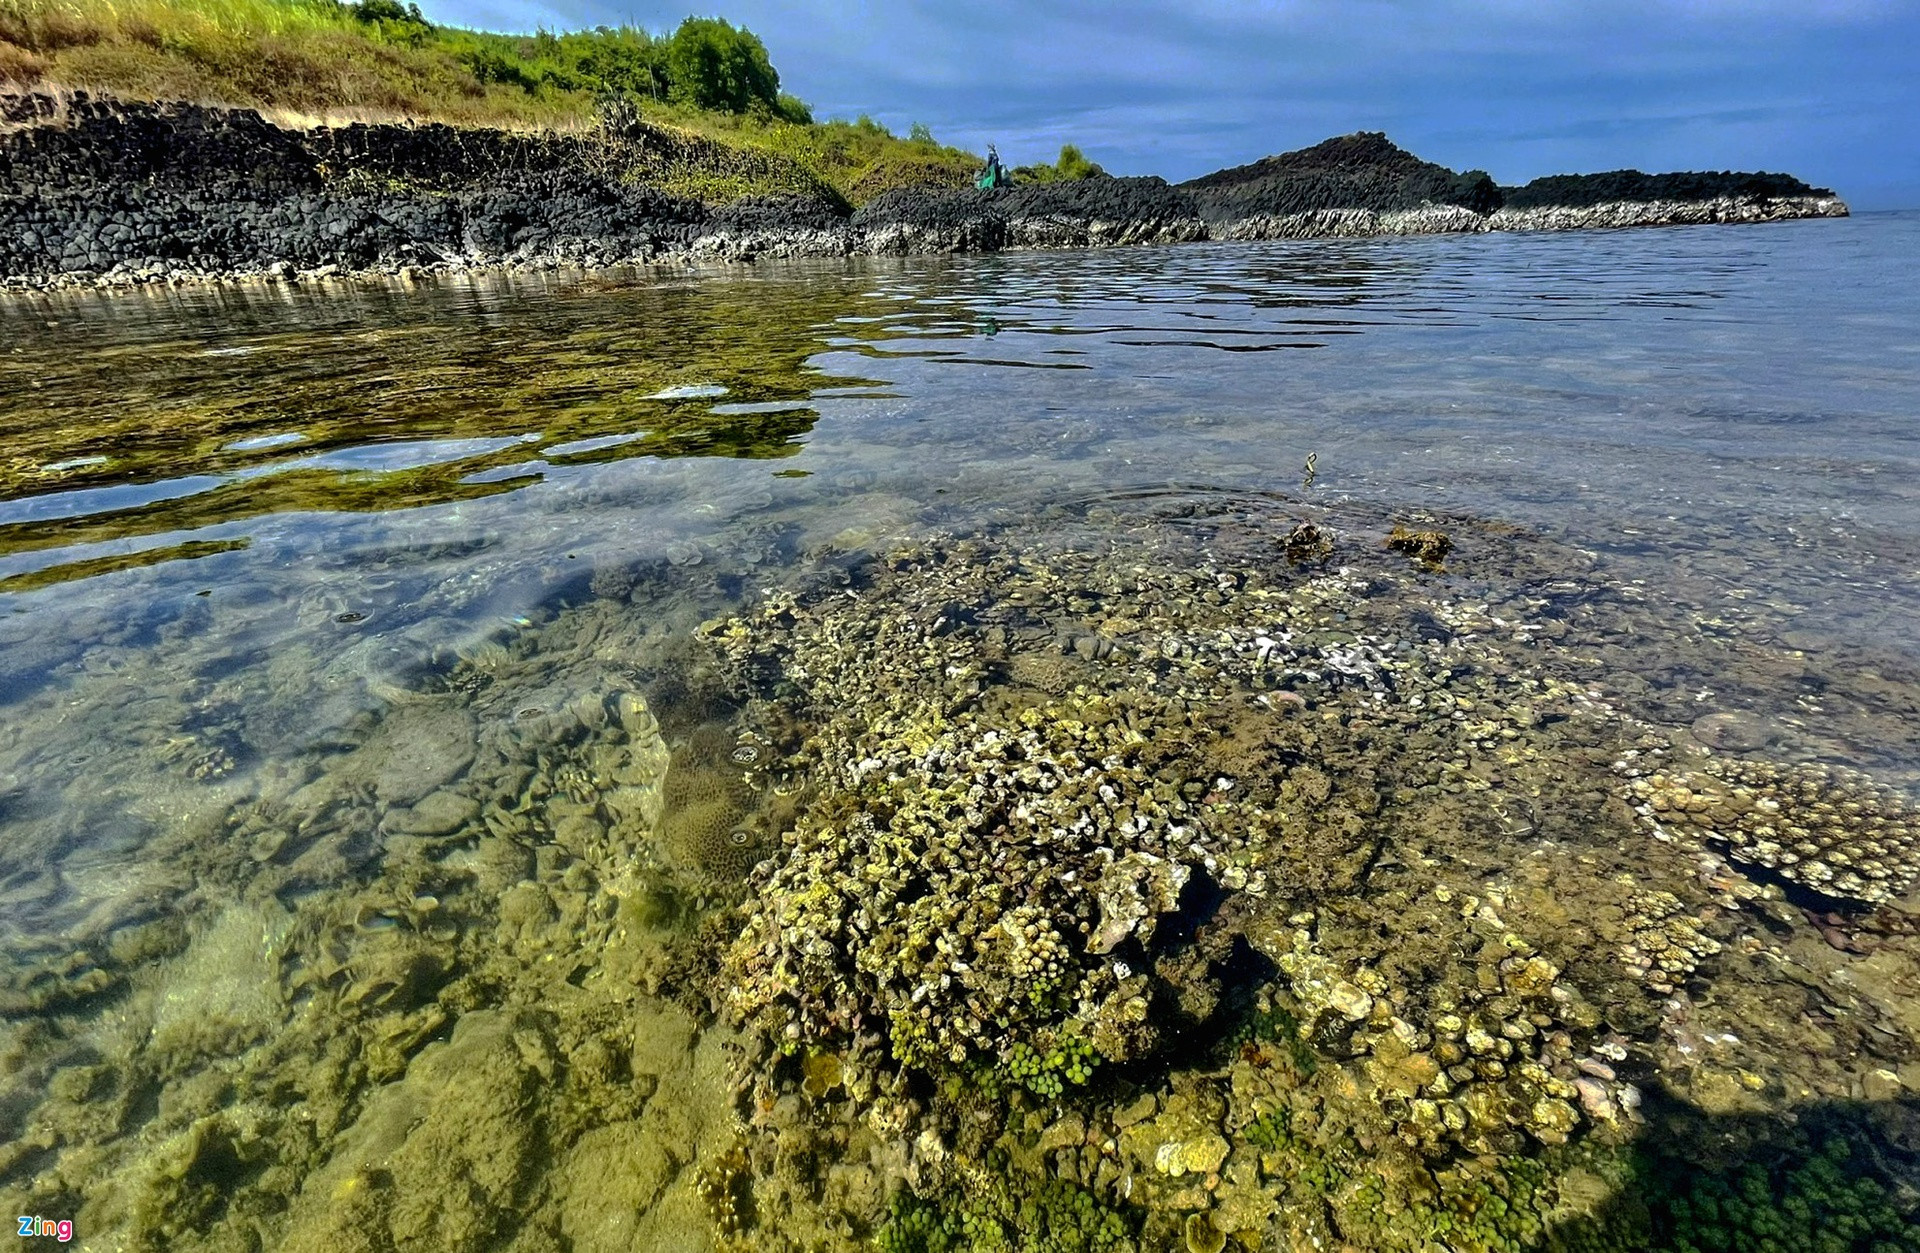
(1733, 732)
(1133, 892)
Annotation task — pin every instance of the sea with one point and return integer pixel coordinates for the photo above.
(430, 709)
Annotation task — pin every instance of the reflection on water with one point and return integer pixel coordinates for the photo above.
(400, 684)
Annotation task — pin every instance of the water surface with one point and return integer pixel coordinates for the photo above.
(273, 562)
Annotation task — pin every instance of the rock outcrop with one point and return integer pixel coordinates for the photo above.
(1363, 184)
(108, 192)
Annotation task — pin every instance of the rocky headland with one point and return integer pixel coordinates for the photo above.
(97, 192)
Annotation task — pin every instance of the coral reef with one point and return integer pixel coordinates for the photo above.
(1827, 828)
(708, 823)
(1074, 810)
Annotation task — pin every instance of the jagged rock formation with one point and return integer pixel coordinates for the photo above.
(1364, 171)
(1586, 190)
(109, 192)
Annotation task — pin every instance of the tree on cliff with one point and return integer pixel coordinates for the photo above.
(712, 64)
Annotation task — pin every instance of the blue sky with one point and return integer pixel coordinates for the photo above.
(1825, 89)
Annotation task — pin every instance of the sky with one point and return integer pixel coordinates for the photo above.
(1828, 90)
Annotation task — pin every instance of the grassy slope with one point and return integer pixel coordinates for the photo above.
(308, 61)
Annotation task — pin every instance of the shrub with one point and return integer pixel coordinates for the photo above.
(490, 65)
(393, 22)
(793, 109)
(1074, 164)
(372, 11)
(625, 60)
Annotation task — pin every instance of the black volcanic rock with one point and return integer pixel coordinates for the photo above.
(123, 191)
(1073, 213)
(967, 219)
(1583, 190)
(1360, 171)
(778, 213)
(1111, 199)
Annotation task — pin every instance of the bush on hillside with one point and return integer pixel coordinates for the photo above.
(372, 11)
(791, 108)
(1073, 164)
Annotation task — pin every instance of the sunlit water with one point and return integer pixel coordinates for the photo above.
(238, 526)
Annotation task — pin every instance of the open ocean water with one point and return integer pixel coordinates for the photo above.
(920, 753)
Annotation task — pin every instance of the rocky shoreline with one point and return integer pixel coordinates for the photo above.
(97, 193)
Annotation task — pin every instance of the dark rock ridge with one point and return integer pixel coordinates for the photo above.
(1363, 184)
(95, 187)
(109, 192)
(1361, 171)
(1583, 190)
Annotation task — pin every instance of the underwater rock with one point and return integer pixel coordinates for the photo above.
(415, 749)
(1429, 548)
(437, 813)
(443, 1158)
(1191, 1157)
(224, 992)
(1307, 544)
(1733, 732)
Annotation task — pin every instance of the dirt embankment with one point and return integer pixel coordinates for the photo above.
(109, 192)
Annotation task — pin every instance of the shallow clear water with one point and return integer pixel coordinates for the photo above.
(240, 527)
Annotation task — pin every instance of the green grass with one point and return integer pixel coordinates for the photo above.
(859, 159)
(306, 62)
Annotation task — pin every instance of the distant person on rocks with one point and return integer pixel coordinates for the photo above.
(995, 175)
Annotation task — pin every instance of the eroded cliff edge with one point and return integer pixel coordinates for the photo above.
(97, 192)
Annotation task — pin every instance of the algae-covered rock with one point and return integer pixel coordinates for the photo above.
(443, 1159)
(224, 993)
(416, 748)
(1134, 891)
(1015, 846)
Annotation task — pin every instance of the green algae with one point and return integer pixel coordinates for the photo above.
(1810, 1193)
(1046, 1072)
(1002, 1215)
